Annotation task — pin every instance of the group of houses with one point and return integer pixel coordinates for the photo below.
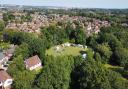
(32, 63)
(95, 25)
(42, 20)
(5, 56)
(32, 26)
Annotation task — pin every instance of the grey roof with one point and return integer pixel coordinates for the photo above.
(1, 55)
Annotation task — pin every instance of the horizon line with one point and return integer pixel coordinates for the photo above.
(77, 7)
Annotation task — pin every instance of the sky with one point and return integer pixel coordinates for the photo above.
(71, 3)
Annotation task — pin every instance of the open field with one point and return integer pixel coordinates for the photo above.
(119, 70)
(112, 67)
(71, 50)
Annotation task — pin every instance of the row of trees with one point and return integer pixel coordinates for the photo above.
(58, 35)
(36, 46)
(111, 44)
(8, 17)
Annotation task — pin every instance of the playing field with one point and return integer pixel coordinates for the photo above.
(71, 50)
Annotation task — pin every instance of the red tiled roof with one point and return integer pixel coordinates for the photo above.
(32, 61)
(4, 75)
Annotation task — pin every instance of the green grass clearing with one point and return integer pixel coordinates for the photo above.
(70, 50)
(37, 70)
(112, 67)
(117, 69)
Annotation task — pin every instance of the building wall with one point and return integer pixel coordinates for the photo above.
(36, 66)
(8, 82)
(0, 83)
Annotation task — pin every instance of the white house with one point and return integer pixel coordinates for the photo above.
(5, 79)
(33, 63)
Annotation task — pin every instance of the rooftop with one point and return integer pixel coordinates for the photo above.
(1, 55)
(4, 75)
(32, 61)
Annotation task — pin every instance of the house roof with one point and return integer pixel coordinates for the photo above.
(32, 61)
(4, 75)
(1, 55)
(11, 50)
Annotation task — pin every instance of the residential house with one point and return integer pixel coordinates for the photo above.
(33, 63)
(5, 79)
(9, 52)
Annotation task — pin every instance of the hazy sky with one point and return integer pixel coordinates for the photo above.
(71, 3)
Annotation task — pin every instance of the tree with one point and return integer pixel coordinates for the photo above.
(36, 47)
(22, 49)
(4, 46)
(121, 56)
(56, 73)
(5, 17)
(126, 67)
(17, 65)
(2, 25)
(116, 80)
(97, 57)
(8, 16)
(93, 76)
(75, 74)
(80, 37)
(54, 35)
(105, 51)
(14, 37)
(23, 79)
(110, 39)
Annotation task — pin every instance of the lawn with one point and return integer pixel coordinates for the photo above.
(71, 50)
(119, 70)
(115, 68)
(37, 70)
(112, 67)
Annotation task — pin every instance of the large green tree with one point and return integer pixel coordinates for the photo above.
(93, 76)
(121, 56)
(105, 51)
(56, 73)
(80, 37)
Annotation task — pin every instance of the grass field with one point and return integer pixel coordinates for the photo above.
(115, 68)
(112, 67)
(71, 50)
(118, 69)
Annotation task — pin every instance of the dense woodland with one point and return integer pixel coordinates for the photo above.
(110, 46)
